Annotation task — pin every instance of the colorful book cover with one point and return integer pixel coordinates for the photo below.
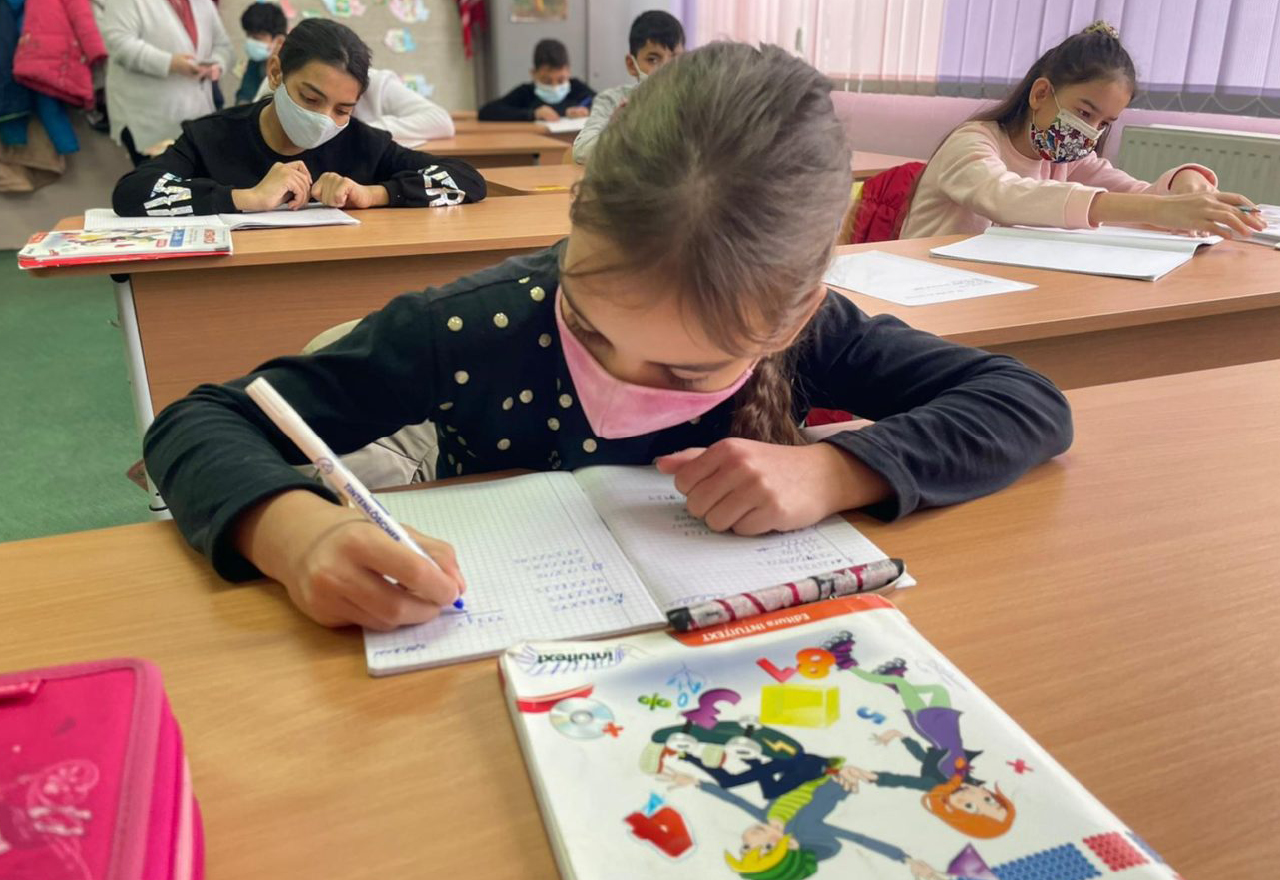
(830, 740)
(78, 246)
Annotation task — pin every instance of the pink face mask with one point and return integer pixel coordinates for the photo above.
(617, 409)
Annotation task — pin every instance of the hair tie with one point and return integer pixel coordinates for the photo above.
(1102, 27)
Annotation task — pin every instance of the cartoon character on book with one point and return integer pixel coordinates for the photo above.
(790, 834)
(951, 792)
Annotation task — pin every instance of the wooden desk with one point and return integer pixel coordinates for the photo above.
(475, 126)
(211, 319)
(528, 180)
(490, 148)
(870, 164)
(1221, 308)
(463, 115)
(1118, 602)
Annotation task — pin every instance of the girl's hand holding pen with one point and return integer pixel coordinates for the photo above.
(332, 562)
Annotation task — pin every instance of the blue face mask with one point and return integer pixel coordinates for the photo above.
(257, 50)
(551, 94)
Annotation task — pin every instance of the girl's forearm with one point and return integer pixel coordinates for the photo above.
(1109, 207)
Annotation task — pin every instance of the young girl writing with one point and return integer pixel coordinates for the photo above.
(300, 145)
(683, 320)
(1030, 160)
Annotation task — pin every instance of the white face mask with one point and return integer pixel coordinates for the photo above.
(551, 94)
(641, 76)
(306, 128)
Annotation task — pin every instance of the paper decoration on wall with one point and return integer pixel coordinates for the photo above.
(409, 11)
(344, 8)
(400, 40)
(539, 10)
(418, 83)
(289, 12)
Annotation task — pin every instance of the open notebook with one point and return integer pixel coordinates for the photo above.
(567, 125)
(829, 741)
(314, 214)
(1108, 250)
(601, 551)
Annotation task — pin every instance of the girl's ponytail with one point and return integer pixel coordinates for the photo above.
(762, 409)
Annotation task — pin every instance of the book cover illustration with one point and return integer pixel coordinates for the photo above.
(118, 245)
(830, 741)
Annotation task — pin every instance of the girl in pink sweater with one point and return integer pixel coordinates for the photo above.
(1030, 160)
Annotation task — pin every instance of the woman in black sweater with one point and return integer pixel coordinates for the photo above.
(302, 144)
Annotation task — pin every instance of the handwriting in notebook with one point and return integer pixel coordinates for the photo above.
(539, 564)
(682, 561)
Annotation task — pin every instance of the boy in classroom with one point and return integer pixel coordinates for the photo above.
(300, 145)
(656, 37)
(1031, 159)
(648, 335)
(553, 93)
(264, 27)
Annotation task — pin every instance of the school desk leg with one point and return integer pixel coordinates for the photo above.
(138, 384)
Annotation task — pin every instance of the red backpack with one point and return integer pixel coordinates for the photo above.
(884, 203)
(881, 209)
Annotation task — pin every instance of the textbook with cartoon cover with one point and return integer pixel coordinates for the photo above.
(827, 740)
(77, 246)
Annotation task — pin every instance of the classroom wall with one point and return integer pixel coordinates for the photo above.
(437, 54)
(91, 175)
(595, 33)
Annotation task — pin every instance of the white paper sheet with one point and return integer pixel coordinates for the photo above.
(911, 282)
(315, 214)
(565, 126)
(1129, 254)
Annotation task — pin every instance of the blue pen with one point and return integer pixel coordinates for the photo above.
(331, 468)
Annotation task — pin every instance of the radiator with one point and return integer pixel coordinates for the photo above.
(1245, 162)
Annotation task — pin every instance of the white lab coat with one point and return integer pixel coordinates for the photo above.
(392, 106)
(142, 36)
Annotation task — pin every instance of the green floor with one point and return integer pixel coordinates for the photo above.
(67, 434)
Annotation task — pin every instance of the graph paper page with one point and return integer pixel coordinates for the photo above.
(683, 562)
(539, 563)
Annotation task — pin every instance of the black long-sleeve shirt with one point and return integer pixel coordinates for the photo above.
(481, 359)
(519, 104)
(225, 150)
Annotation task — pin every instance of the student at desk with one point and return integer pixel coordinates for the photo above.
(655, 38)
(1030, 159)
(652, 332)
(300, 145)
(554, 91)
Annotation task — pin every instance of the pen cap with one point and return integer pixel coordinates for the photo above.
(680, 619)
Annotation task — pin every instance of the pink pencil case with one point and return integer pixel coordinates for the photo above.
(94, 783)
